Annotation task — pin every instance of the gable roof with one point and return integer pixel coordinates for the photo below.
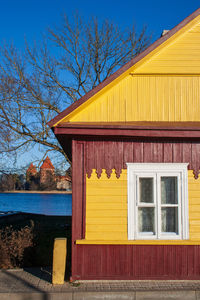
(47, 164)
(162, 40)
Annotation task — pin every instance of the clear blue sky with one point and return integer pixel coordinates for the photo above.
(30, 18)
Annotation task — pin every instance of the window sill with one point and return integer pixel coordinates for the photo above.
(138, 242)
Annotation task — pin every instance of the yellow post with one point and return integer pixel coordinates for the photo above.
(59, 260)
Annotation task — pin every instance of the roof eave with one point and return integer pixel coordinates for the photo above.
(128, 131)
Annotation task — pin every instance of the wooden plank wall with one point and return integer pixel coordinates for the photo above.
(181, 57)
(106, 207)
(114, 154)
(167, 98)
(138, 262)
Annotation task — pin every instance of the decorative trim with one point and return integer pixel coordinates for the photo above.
(115, 153)
(137, 242)
(161, 167)
(104, 175)
(196, 172)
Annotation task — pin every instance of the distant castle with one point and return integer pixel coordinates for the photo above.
(47, 177)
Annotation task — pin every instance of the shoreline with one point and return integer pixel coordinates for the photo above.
(36, 192)
(20, 215)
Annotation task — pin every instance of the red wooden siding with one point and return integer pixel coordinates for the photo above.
(128, 261)
(137, 262)
(115, 154)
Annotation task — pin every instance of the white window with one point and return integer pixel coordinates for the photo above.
(157, 201)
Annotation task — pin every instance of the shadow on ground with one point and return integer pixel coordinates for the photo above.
(27, 289)
(43, 273)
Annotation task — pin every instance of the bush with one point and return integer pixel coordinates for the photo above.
(13, 244)
(27, 240)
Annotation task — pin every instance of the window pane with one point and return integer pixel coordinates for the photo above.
(146, 189)
(169, 216)
(169, 191)
(146, 219)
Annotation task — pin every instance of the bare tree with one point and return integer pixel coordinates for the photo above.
(39, 83)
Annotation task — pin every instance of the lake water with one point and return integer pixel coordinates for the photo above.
(47, 204)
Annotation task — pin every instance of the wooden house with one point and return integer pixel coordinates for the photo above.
(135, 147)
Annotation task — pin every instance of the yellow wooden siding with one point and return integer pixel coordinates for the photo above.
(182, 56)
(106, 210)
(106, 207)
(146, 98)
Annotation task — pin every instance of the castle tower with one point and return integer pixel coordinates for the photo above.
(47, 170)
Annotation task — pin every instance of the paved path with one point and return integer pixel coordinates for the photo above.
(35, 283)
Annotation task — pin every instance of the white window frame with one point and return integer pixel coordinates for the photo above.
(156, 170)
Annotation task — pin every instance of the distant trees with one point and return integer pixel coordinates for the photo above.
(49, 183)
(32, 182)
(7, 182)
(11, 182)
(43, 80)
